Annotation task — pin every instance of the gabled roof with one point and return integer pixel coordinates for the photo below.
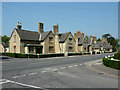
(63, 36)
(105, 45)
(81, 41)
(96, 46)
(32, 35)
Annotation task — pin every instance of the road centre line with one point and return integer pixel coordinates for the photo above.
(75, 65)
(70, 66)
(43, 71)
(18, 76)
(32, 73)
(55, 69)
(62, 67)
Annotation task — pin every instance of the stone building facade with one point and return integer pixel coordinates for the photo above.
(41, 42)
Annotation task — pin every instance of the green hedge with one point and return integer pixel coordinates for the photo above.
(19, 55)
(70, 54)
(117, 56)
(111, 63)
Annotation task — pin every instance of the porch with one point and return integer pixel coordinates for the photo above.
(33, 49)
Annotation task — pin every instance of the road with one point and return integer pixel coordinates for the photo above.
(61, 72)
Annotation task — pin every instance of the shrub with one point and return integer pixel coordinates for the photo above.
(117, 56)
(111, 63)
(70, 54)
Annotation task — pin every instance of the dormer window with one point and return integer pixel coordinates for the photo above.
(50, 39)
(14, 38)
(78, 39)
(70, 39)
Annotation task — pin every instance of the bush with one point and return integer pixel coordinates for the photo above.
(86, 53)
(19, 55)
(117, 56)
(98, 52)
(70, 54)
(111, 63)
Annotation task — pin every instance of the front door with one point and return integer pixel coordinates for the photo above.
(38, 50)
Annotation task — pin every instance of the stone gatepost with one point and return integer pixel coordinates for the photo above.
(66, 54)
(26, 50)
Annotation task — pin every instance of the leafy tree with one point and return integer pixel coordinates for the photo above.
(98, 39)
(107, 35)
(5, 39)
(112, 41)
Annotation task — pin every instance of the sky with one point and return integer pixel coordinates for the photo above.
(96, 18)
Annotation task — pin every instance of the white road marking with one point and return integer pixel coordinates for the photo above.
(43, 71)
(55, 69)
(62, 67)
(18, 76)
(97, 63)
(75, 65)
(80, 64)
(31, 86)
(70, 66)
(2, 81)
(32, 73)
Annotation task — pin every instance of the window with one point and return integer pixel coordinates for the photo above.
(14, 38)
(70, 49)
(70, 39)
(50, 39)
(14, 49)
(31, 49)
(78, 39)
(50, 48)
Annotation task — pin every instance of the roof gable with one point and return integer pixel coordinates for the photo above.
(32, 35)
(63, 36)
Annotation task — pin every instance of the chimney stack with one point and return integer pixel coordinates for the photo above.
(41, 27)
(55, 29)
(19, 26)
(75, 35)
(82, 34)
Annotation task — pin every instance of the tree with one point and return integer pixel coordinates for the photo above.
(98, 39)
(107, 35)
(112, 41)
(5, 39)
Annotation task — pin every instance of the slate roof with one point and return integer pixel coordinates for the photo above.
(80, 42)
(105, 45)
(31, 35)
(63, 36)
(96, 46)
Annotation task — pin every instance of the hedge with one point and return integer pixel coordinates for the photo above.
(70, 54)
(111, 63)
(20, 55)
(117, 56)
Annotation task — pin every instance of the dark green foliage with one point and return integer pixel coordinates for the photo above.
(117, 56)
(111, 63)
(5, 39)
(112, 41)
(20, 55)
(98, 39)
(70, 54)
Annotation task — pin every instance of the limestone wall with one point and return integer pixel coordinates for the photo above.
(14, 44)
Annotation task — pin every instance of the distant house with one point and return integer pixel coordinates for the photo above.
(105, 46)
(4, 47)
(83, 43)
